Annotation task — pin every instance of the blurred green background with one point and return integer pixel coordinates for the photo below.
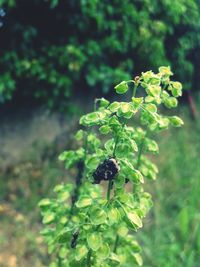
(55, 57)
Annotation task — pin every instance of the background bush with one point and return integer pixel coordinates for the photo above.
(52, 49)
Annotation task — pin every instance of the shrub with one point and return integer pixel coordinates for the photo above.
(48, 47)
(85, 226)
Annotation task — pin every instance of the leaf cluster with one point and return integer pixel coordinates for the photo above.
(47, 54)
(98, 229)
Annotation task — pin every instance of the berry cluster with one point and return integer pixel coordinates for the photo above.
(106, 170)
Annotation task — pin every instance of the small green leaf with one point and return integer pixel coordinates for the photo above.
(83, 202)
(92, 162)
(134, 219)
(53, 264)
(94, 240)
(176, 88)
(151, 145)
(109, 145)
(58, 188)
(79, 135)
(122, 231)
(114, 257)
(44, 202)
(176, 121)
(153, 90)
(81, 252)
(63, 252)
(166, 71)
(121, 88)
(104, 251)
(114, 106)
(103, 102)
(48, 218)
(63, 196)
(151, 107)
(113, 216)
(137, 101)
(138, 259)
(170, 102)
(98, 216)
(105, 129)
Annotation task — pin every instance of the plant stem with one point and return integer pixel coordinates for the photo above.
(116, 243)
(136, 188)
(89, 258)
(135, 89)
(140, 153)
(109, 190)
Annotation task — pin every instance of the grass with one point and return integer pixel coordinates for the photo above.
(171, 237)
(171, 233)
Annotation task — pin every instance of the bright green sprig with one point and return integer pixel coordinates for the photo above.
(98, 232)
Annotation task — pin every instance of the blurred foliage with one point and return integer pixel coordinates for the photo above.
(172, 234)
(54, 48)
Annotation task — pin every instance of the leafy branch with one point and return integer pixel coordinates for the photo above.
(99, 231)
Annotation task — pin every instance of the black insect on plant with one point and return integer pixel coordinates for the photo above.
(74, 239)
(106, 170)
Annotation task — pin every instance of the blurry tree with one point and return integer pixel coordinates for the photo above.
(49, 49)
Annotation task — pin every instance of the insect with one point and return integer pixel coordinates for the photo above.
(106, 170)
(74, 239)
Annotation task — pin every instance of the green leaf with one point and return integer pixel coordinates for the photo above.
(122, 149)
(133, 219)
(48, 218)
(125, 110)
(94, 118)
(114, 257)
(151, 145)
(63, 196)
(121, 88)
(130, 172)
(113, 216)
(114, 121)
(53, 264)
(83, 202)
(176, 88)
(153, 90)
(81, 252)
(163, 123)
(98, 216)
(138, 259)
(137, 101)
(63, 252)
(109, 146)
(44, 202)
(105, 129)
(114, 106)
(122, 231)
(92, 162)
(176, 121)
(151, 107)
(79, 135)
(94, 240)
(170, 102)
(58, 188)
(103, 252)
(165, 71)
(103, 102)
